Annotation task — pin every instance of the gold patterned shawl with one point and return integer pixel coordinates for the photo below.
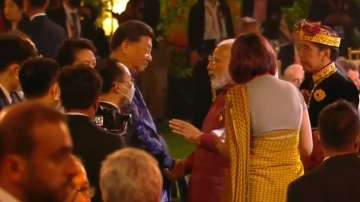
(261, 167)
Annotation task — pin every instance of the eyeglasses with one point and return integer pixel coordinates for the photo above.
(87, 192)
(213, 60)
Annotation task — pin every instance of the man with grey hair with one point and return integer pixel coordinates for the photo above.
(130, 175)
(205, 164)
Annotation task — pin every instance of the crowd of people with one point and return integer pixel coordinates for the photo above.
(74, 126)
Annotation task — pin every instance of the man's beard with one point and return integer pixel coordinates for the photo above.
(36, 190)
(220, 83)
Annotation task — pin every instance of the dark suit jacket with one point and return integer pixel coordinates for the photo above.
(337, 179)
(196, 27)
(92, 144)
(47, 35)
(58, 15)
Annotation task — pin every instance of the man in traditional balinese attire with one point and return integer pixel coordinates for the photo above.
(317, 46)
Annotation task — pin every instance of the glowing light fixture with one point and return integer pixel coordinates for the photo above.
(109, 23)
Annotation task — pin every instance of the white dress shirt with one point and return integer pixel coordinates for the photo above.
(215, 27)
(69, 22)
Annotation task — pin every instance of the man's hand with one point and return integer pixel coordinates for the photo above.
(186, 130)
(176, 172)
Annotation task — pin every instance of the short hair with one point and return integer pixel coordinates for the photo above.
(14, 49)
(131, 30)
(17, 123)
(80, 86)
(110, 71)
(347, 65)
(339, 125)
(130, 175)
(19, 3)
(37, 75)
(250, 57)
(38, 3)
(68, 50)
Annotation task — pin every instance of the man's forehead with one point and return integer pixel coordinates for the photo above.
(52, 134)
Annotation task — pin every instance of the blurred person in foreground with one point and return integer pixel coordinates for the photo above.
(81, 190)
(130, 175)
(36, 157)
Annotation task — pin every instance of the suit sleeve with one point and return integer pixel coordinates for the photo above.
(152, 144)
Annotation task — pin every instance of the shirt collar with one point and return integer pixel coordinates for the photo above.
(324, 73)
(37, 15)
(111, 103)
(6, 196)
(6, 93)
(76, 114)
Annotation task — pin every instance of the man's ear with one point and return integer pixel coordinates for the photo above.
(55, 91)
(14, 166)
(14, 70)
(124, 46)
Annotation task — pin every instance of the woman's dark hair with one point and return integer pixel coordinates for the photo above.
(251, 55)
(68, 50)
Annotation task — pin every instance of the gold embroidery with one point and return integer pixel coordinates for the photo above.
(324, 73)
(320, 38)
(319, 95)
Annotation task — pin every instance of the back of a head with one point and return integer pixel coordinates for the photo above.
(339, 126)
(110, 72)
(17, 123)
(130, 175)
(37, 75)
(251, 56)
(80, 87)
(132, 31)
(14, 49)
(38, 3)
(66, 53)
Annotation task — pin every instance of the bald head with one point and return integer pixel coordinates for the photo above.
(218, 67)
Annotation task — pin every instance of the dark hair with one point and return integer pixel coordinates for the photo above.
(37, 75)
(17, 124)
(339, 125)
(251, 56)
(131, 30)
(80, 86)
(14, 49)
(110, 72)
(66, 53)
(19, 3)
(37, 3)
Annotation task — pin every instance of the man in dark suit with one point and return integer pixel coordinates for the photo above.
(47, 35)
(80, 90)
(13, 51)
(337, 179)
(209, 23)
(68, 17)
(118, 89)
